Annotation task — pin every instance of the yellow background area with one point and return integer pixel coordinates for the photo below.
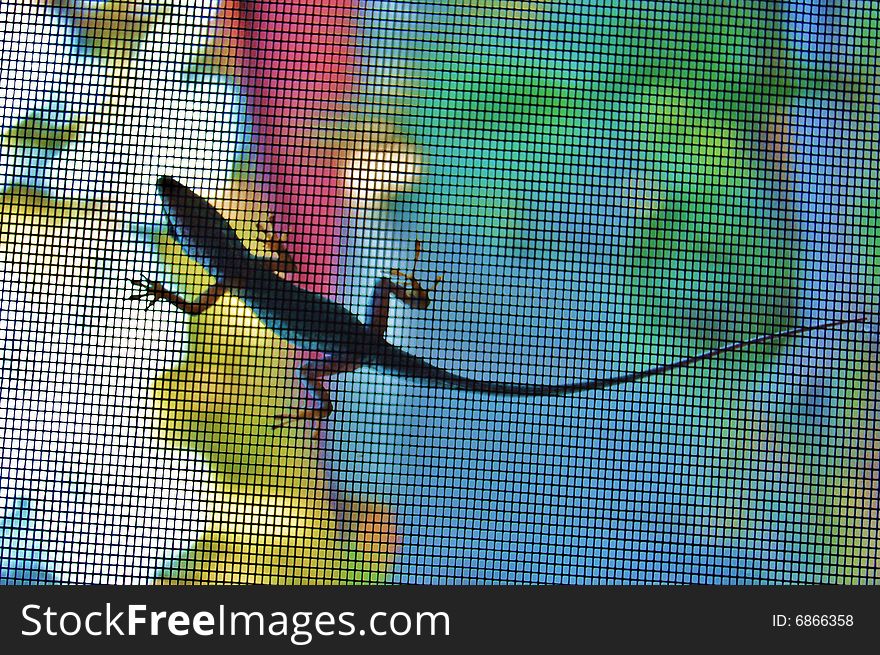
(275, 518)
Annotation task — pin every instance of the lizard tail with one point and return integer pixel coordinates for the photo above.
(398, 362)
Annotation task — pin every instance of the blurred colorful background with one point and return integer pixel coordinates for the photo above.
(604, 185)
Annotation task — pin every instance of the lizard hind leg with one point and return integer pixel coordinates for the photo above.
(410, 292)
(319, 405)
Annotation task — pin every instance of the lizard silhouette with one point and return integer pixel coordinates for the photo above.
(312, 322)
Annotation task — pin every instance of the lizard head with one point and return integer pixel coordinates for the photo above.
(200, 230)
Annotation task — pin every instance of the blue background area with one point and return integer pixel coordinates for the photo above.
(720, 474)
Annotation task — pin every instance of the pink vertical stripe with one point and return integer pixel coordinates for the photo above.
(298, 64)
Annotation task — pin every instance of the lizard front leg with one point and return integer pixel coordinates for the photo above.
(154, 291)
(411, 293)
(280, 260)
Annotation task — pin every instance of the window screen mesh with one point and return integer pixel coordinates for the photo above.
(604, 186)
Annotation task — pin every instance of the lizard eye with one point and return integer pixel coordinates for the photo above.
(172, 232)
